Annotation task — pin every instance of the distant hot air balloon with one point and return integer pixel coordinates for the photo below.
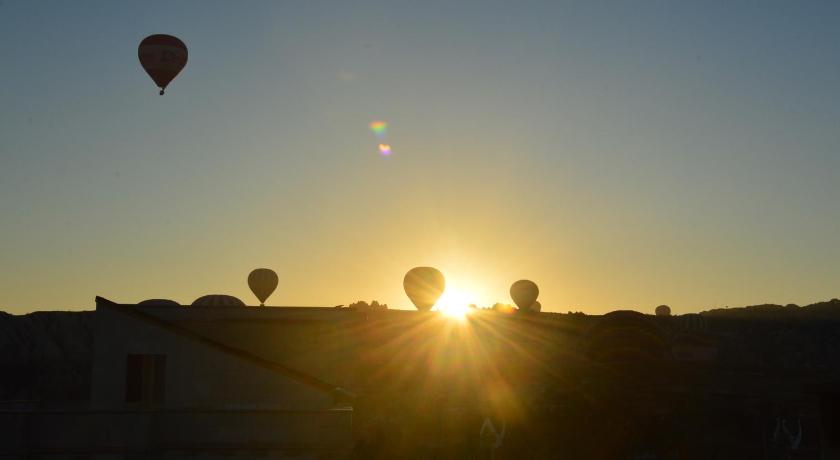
(424, 285)
(663, 310)
(163, 57)
(158, 303)
(217, 301)
(262, 282)
(536, 307)
(524, 293)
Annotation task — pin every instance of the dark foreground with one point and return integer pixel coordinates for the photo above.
(761, 383)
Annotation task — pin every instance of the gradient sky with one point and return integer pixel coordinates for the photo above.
(620, 155)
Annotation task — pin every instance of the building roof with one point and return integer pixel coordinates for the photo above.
(141, 314)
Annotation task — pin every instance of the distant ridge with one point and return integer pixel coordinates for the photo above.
(821, 310)
(47, 355)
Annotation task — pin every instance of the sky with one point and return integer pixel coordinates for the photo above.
(619, 154)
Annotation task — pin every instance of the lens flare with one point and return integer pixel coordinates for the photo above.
(379, 128)
(457, 311)
(384, 149)
(455, 302)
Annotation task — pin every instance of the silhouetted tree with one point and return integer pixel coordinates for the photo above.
(503, 308)
(364, 306)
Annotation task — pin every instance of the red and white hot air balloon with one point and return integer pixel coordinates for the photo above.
(162, 57)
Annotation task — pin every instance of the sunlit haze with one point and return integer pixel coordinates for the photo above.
(455, 301)
(620, 157)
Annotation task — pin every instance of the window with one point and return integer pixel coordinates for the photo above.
(145, 378)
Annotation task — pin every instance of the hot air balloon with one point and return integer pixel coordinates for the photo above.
(524, 293)
(424, 285)
(663, 310)
(162, 57)
(537, 307)
(262, 282)
(217, 301)
(158, 303)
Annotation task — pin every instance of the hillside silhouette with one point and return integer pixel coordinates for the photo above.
(829, 310)
(46, 356)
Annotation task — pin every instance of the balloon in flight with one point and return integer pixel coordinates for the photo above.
(162, 57)
(524, 293)
(424, 285)
(262, 282)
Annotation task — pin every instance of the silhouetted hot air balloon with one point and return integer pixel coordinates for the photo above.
(218, 301)
(424, 285)
(162, 57)
(536, 307)
(524, 293)
(663, 310)
(158, 303)
(262, 282)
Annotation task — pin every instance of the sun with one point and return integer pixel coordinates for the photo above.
(455, 302)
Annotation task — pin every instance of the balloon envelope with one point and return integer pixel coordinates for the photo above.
(218, 301)
(663, 310)
(262, 282)
(162, 57)
(524, 293)
(158, 303)
(424, 285)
